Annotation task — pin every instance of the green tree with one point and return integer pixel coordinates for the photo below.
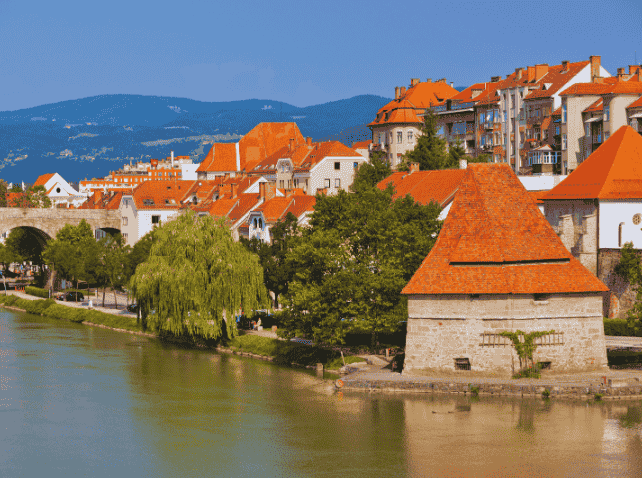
(480, 158)
(112, 264)
(34, 196)
(629, 266)
(430, 150)
(526, 349)
(139, 253)
(277, 271)
(26, 244)
(455, 153)
(16, 188)
(3, 193)
(73, 253)
(351, 265)
(197, 278)
(370, 173)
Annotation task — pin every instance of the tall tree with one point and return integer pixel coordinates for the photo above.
(277, 271)
(3, 193)
(113, 263)
(195, 277)
(352, 263)
(370, 173)
(430, 150)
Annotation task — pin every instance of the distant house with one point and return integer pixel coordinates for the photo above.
(262, 141)
(498, 266)
(262, 219)
(363, 148)
(598, 208)
(59, 191)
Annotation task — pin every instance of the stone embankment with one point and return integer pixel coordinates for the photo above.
(612, 385)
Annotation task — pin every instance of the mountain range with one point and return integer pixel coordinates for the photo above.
(90, 137)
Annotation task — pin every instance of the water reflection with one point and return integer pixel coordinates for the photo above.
(82, 400)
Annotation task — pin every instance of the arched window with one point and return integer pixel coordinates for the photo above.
(261, 224)
(255, 223)
(619, 234)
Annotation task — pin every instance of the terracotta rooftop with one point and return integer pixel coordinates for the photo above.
(304, 156)
(260, 142)
(637, 103)
(426, 186)
(597, 106)
(278, 207)
(42, 180)
(162, 194)
(613, 171)
(361, 144)
(496, 241)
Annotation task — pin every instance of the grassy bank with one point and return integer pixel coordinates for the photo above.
(289, 352)
(50, 308)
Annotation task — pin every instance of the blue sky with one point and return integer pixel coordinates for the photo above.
(300, 52)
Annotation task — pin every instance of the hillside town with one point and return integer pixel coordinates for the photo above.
(559, 193)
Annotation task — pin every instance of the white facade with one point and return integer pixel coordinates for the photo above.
(188, 171)
(617, 223)
(136, 223)
(326, 175)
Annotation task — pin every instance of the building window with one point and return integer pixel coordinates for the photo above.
(281, 184)
(606, 135)
(355, 165)
(337, 165)
(410, 136)
(564, 113)
(125, 235)
(382, 138)
(564, 142)
(587, 130)
(482, 118)
(155, 219)
(337, 183)
(557, 130)
(462, 364)
(125, 218)
(619, 234)
(606, 113)
(399, 137)
(326, 183)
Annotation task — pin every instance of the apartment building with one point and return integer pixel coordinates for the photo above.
(398, 124)
(592, 111)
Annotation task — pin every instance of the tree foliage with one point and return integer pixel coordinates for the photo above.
(195, 277)
(34, 196)
(73, 253)
(25, 244)
(277, 271)
(3, 193)
(352, 263)
(629, 266)
(430, 150)
(371, 173)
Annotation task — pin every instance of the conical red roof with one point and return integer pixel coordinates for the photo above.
(613, 171)
(496, 241)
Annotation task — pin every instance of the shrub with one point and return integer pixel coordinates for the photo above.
(546, 393)
(38, 292)
(620, 328)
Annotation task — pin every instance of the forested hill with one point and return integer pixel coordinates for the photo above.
(91, 136)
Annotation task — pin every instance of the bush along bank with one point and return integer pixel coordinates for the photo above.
(37, 292)
(50, 308)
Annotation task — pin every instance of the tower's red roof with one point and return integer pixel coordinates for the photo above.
(496, 241)
(613, 171)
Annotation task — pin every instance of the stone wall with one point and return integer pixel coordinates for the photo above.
(622, 295)
(440, 331)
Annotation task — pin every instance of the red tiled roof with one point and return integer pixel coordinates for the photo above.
(597, 106)
(162, 194)
(546, 122)
(278, 207)
(636, 103)
(42, 180)
(426, 186)
(305, 157)
(537, 196)
(361, 144)
(613, 171)
(260, 142)
(496, 241)
(556, 78)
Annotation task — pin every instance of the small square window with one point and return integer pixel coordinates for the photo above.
(337, 165)
(155, 219)
(326, 183)
(462, 364)
(337, 183)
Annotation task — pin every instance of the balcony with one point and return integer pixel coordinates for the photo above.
(544, 157)
(597, 138)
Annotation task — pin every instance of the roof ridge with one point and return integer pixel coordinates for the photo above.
(617, 150)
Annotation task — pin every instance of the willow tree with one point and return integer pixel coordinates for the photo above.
(196, 279)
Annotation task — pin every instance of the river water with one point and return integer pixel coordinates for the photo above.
(84, 401)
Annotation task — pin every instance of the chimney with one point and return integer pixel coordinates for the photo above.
(428, 80)
(621, 76)
(518, 73)
(595, 65)
(598, 79)
(172, 159)
(495, 79)
(308, 141)
(540, 71)
(262, 191)
(233, 190)
(396, 92)
(402, 92)
(414, 167)
(633, 69)
(565, 65)
(530, 72)
(463, 164)
(414, 82)
(452, 84)
(98, 196)
(441, 80)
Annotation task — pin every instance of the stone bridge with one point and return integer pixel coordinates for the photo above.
(51, 220)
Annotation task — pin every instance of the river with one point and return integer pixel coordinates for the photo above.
(78, 400)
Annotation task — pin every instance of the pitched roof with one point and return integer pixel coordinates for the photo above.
(304, 156)
(597, 106)
(278, 207)
(162, 194)
(496, 241)
(42, 180)
(613, 171)
(636, 103)
(361, 144)
(260, 142)
(425, 186)
(617, 88)
(555, 79)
